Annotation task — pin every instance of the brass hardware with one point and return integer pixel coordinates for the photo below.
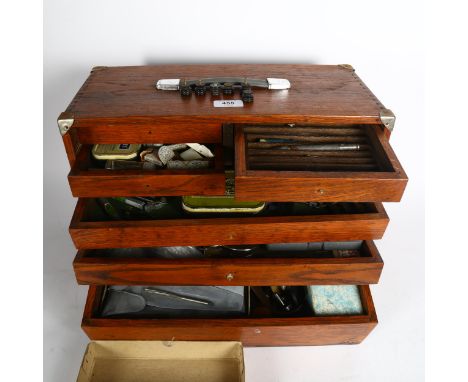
(96, 68)
(257, 331)
(387, 118)
(230, 183)
(229, 277)
(346, 66)
(65, 121)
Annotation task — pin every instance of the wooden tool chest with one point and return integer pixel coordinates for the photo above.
(278, 149)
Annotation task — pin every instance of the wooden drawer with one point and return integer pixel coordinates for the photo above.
(251, 331)
(98, 267)
(266, 171)
(364, 221)
(279, 171)
(88, 181)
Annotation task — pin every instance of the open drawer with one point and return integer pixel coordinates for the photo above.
(255, 329)
(88, 178)
(342, 163)
(90, 228)
(321, 163)
(280, 264)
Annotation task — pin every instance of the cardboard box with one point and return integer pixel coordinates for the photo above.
(156, 361)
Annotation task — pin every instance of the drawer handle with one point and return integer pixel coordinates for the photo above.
(229, 277)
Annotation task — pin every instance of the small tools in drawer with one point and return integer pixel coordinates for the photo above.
(179, 301)
(285, 263)
(283, 163)
(151, 170)
(92, 228)
(321, 163)
(279, 200)
(263, 324)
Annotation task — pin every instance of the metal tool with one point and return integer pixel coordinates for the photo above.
(233, 250)
(226, 85)
(129, 165)
(329, 147)
(285, 299)
(144, 204)
(109, 208)
(176, 296)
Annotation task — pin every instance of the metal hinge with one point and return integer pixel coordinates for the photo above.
(65, 121)
(387, 118)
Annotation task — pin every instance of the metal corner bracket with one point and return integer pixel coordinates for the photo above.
(96, 68)
(64, 122)
(347, 66)
(388, 119)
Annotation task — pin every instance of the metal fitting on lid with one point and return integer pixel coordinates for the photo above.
(347, 66)
(278, 83)
(168, 84)
(64, 122)
(387, 118)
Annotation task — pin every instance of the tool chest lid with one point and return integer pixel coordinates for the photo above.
(162, 361)
(318, 93)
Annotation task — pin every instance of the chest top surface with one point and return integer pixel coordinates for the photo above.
(317, 91)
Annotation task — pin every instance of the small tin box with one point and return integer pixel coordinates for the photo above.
(115, 151)
(219, 204)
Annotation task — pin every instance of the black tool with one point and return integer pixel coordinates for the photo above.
(226, 85)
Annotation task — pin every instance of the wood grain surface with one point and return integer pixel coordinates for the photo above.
(225, 231)
(121, 104)
(251, 331)
(88, 181)
(321, 186)
(287, 270)
(135, 183)
(275, 185)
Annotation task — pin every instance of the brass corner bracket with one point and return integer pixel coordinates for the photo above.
(347, 66)
(64, 122)
(387, 118)
(97, 68)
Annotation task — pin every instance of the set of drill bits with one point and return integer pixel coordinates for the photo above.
(308, 149)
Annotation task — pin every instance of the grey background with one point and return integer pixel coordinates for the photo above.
(386, 52)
